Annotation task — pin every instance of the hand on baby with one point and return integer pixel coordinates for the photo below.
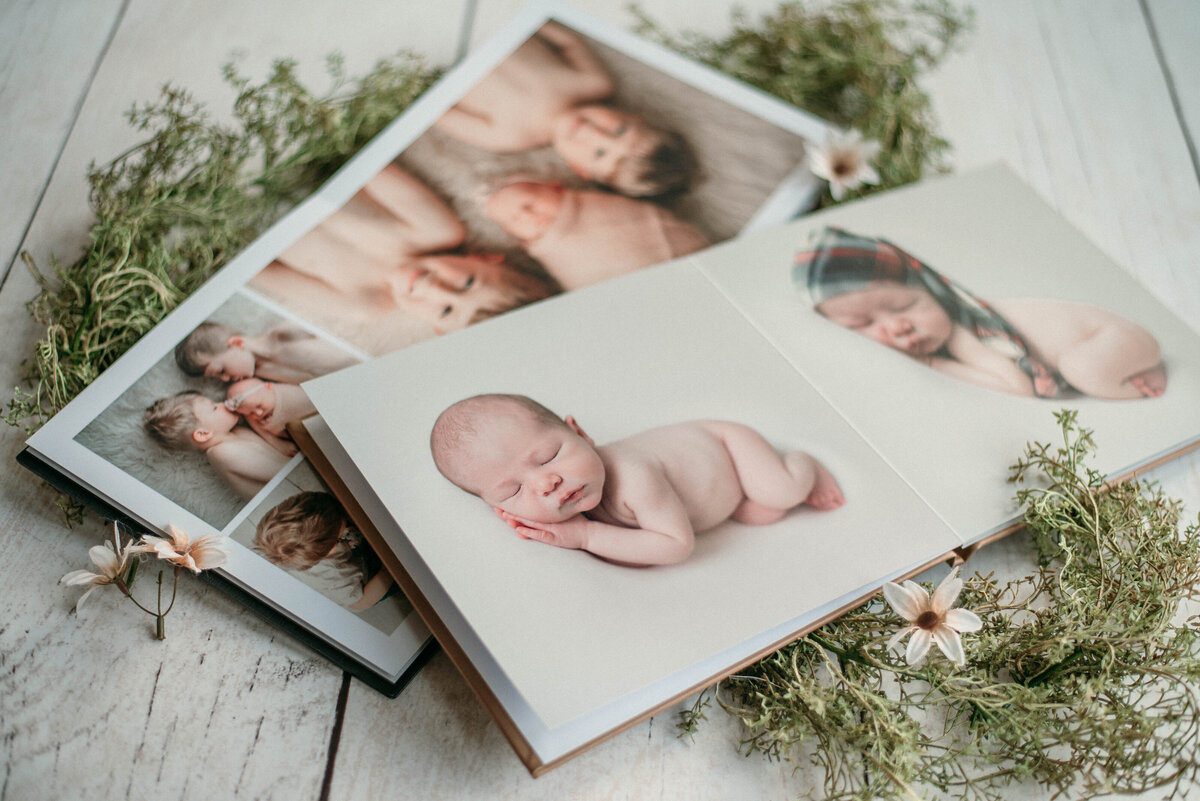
(567, 534)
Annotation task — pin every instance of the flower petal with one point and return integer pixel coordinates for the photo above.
(898, 636)
(178, 536)
(105, 558)
(904, 601)
(951, 644)
(76, 577)
(918, 646)
(947, 592)
(963, 620)
(868, 175)
(82, 598)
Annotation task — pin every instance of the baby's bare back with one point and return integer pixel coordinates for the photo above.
(690, 457)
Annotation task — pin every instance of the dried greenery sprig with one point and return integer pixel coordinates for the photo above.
(855, 63)
(175, 208)
(1082, 677)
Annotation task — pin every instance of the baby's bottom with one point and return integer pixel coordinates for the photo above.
(1119, 361)
(774, 484)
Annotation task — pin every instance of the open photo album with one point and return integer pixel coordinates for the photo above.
(561, 154)
(607, 500)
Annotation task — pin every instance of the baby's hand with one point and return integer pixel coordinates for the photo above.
(567, 534)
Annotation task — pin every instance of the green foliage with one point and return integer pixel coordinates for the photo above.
(1082, 679)
(855, 63)
(177, 207)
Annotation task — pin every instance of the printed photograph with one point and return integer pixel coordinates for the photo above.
(300, 527)
(204, 427)
(568, 164)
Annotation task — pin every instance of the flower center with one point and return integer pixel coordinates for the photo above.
(844, 165)
(928, 620)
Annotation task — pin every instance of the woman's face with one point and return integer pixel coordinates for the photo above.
(902, 317)
(450, 292)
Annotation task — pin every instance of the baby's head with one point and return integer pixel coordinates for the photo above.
(619, 149)
(215, 351)
(251, 397)
(874, 288)
(301, 531)
(518, 456)
(451, 291)
(187, 421)
(526, 209)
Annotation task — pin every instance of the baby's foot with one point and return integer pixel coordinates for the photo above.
(1045, 385)
(1151, 383)
(825, 494)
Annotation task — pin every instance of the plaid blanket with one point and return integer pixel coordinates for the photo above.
(841, 262)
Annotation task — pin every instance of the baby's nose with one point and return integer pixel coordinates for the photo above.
(550, 483)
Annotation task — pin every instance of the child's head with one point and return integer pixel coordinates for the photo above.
(215, 351)
(619, 149)
(301, 531)
(872, 287)
(187, 421)
(526, 209)
(451, 292)
(251, 397)
(518, 456)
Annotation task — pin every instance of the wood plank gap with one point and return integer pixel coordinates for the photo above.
(112, 33)
(464, 33)
(1172, 90)
(335, 736)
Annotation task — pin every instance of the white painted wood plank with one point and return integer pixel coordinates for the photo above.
(48, 52)
(227, 707)
(1071, 95)
(1177, 24)
(705, 17)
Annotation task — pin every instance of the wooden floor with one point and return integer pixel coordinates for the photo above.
(1095, 102)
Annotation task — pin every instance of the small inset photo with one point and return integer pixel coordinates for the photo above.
(301, 528)
(204, 427)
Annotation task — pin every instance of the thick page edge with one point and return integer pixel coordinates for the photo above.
(479, 685)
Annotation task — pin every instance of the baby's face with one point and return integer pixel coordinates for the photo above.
(594, 139)
(447, 291)
(533, 470)
(251, 397)
(231, 364)
(211, 418)
(525, 209)
(901, 317)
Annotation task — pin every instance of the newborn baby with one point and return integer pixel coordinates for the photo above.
(584, 237)
(268, 407)
(637, 501)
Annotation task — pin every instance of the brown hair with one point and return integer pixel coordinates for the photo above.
(197, 348)
(659, 162)
(171, 421)
(300, 531)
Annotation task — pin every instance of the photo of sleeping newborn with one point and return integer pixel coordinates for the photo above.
(1032, 347)
(638, 501)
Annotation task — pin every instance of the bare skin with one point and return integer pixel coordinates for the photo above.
(243, 459)
(638, 501)
(1098, 352)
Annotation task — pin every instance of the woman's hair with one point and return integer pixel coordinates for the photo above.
(301, 530)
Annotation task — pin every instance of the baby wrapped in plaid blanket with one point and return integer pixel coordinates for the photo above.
(1031, 347)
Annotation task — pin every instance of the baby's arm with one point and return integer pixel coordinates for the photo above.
(976, 363)
(579, 57)
(429, 223)
(664, 535)
(282, 444)
(373, 591)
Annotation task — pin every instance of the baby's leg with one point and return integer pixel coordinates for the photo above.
(773, 484)
(1120, 361)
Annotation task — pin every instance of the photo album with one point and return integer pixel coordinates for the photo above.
(605, 501)
(564, 152)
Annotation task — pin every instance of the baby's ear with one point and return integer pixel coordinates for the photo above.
(201, 436)
(237, 341)
(574, 426)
